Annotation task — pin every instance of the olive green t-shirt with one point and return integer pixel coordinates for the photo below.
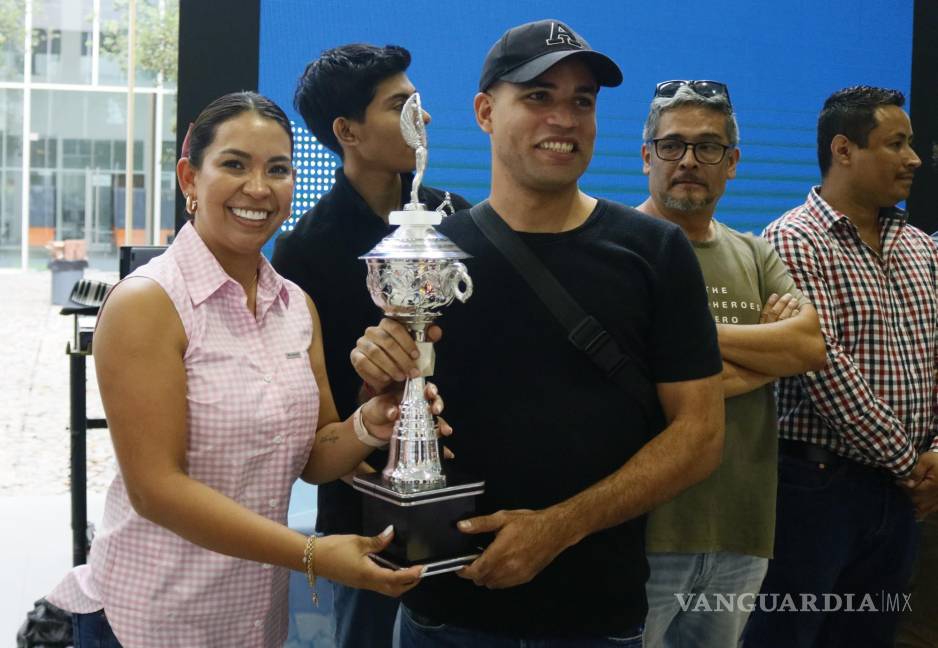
(734, 508)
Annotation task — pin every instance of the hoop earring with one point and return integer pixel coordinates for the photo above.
(191, 204)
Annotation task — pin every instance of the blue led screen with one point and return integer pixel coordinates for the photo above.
(780, 60)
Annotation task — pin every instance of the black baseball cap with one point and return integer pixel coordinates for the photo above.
(525, 52)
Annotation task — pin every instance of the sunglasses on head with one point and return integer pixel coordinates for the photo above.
(703, 88)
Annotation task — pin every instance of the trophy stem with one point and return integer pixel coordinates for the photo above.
(414, 461)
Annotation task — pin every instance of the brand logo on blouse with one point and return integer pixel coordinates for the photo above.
(293, 355)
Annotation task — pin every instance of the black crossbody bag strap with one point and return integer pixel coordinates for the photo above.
(584, 331)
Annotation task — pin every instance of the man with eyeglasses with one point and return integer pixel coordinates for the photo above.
(858, 452)
(716, 537)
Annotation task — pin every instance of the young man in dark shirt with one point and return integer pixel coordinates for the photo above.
(572, 460)
(351, 99)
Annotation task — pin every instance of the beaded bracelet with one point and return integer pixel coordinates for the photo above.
(308, 561)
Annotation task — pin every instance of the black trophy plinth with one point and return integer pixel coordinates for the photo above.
(424, 522)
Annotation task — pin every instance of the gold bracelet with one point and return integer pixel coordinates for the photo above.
(310, 573)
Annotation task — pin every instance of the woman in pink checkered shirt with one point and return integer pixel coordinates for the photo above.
(212, 375)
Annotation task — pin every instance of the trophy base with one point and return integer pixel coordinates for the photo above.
(424, 522)
(430, 568)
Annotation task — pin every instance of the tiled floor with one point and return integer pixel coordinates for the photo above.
(35, 552)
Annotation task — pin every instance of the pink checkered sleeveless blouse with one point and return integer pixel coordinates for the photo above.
(253, 407)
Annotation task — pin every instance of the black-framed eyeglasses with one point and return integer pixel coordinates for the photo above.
(703, 88)
(671, 149)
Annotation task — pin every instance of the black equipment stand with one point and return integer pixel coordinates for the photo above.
(78, 351)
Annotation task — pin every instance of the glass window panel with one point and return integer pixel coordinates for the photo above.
(83, 150)
(168, 129)
(169, 53)
(71, 222)
(59, 55)
(119, 157)
(12, 36)
(11, 173)
(41, 155)
(76, 154)
(13, 153)
(156, 35)
(103, 232)
(167, 208)
(139, 150)
(41, 205)
(40, 55)
(101, 156)
(11, 127)
(40, 41)
(168, 154)
(113, 49)
(42, 210)
(77, 138)
(10, 223)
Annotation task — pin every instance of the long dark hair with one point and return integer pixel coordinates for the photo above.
(228, 107)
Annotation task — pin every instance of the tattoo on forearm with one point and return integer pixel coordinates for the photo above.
(328, 437)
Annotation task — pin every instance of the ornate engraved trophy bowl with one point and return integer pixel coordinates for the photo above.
(414, 289)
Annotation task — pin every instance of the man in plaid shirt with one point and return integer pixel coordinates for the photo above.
(858, 459)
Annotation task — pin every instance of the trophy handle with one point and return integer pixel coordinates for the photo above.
(458, 277)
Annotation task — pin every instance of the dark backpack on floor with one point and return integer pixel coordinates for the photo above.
(46, 626)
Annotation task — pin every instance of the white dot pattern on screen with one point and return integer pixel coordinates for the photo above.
(315, 173)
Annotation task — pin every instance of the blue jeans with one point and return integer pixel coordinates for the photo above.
(683, 604)
(415, 633)
(841, 529)
(92, 630)
(362, 617)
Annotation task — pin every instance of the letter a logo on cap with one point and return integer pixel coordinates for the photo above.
(561, 35)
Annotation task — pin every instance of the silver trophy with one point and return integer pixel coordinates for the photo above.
(413, 273)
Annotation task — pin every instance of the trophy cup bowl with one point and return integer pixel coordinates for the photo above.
(413, 290)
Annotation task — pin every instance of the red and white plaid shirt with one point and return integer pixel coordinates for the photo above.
(875, 400)
(253, 405)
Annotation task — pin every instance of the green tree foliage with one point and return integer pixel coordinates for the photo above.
(12, 19)
(156, 48)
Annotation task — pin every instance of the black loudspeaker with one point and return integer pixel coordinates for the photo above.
(134, 256)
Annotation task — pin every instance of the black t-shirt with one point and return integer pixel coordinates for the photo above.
(539, 422)
(321, 255)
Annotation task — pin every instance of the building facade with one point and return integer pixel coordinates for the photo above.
(64, 98)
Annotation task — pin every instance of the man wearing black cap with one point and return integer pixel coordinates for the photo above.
(572, 457)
